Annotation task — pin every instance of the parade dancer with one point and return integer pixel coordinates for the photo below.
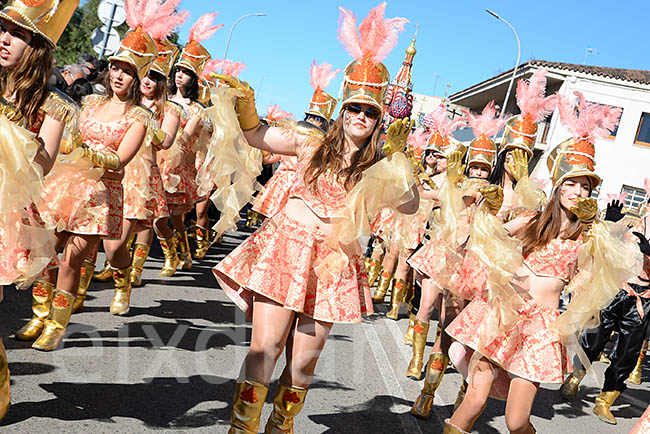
(177, 164)
(276, 272)
(514, 328)
(28, 41)
(628, 315)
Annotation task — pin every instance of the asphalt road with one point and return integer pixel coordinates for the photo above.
(171, 365)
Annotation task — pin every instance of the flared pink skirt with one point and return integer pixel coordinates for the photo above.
(275, 194)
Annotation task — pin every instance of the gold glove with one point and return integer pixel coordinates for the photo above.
(107, 160)
(396, 136)
(245, 105)
(158, 139)
(493, 195)
(455, 167)
(519, 165)
(586, 209)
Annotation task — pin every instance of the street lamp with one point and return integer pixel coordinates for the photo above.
(259, 14)
(514, 72)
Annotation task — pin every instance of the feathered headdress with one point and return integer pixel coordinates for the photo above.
(440, 129)
(322, 104)
(194, 56)
(484, 126)
(274, 114)
(164, 21)
(137, 48)
(366, 78)
(227, 67)
(521, 130)
(577, 156)
(417, 141)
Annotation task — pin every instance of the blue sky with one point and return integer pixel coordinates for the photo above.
(457, 40)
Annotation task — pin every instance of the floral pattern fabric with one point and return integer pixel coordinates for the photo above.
(275, 194)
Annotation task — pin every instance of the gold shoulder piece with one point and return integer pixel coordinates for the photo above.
(518, 212)
(61, 107)
(174, 107)
(92, 100)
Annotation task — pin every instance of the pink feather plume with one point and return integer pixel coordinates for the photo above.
(377, 36)
(164, 19)
(620, 197)
(591, 121)
(134, 13)
(227, 66)
(486, 124)
(531, 97)
(417, 140)
(320, 76)
(203, 29)
(438, 120)
(273, 112)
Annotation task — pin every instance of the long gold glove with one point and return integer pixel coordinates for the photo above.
(455, 167)
(107, 160)
(493, 195)
(245, 105)
(586, 209)
(396, 136)
(158, 139)
(519, 165)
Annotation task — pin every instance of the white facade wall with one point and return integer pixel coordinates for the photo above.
(618, 161)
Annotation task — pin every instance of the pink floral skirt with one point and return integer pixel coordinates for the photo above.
(382, 223)
(470, 278)
(107, 206)
(159, 205)
(530, 349)
(278, 261)
(408, 230)
(275, 194)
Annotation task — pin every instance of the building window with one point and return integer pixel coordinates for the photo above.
(635, 196)
(643, 131)
(595, 193)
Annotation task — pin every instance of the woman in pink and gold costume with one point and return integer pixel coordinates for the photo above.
(513, 333)
(302, 270)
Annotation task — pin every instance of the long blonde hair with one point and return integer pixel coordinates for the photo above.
(329, 156)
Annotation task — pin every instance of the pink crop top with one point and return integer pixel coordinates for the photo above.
(326, 198)
(559, 259)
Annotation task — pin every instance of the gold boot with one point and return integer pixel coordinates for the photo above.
(460, 396)
(202, 242)
(420, 332)
(129, 242)
(637, 373)
(603, 402)
(168, 246)
(374, 268)
(384, 282)
(41, 300)
(105, 274)
(247, 407)
(122, 297)
(396, 299)
(452, 429)
(408, 336)
(287, 403)
(249, 218)
(140, 254)
(87, 269)
(56, 322)
(569, 388)
(184, 246)
(603, 358)
(435, 370)
(5, 394)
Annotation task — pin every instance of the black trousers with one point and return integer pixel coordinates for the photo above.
(620, 316)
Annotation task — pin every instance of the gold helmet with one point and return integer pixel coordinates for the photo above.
(167, 53)
(160, 25)
(205, 86)
(444, 145)
(482, 150)
(138, 50)
(194, 55)
(571, 159)
(365, 79)
(47, 18)
(322, 104)
(520, 133)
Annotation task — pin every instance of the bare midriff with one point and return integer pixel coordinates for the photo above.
(544, 290)
(298, 210)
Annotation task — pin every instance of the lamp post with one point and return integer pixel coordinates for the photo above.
(514, 72)
(259, 14)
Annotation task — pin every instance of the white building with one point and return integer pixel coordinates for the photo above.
(623, 159)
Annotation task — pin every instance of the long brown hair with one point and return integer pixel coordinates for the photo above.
(547, 225)
(133, 97)
(329, 154)
(27, 81)
(160, 94)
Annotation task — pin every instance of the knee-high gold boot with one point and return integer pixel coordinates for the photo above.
(41, 300)
(56, 322)
(87, 269)
(374, 267)
(202, 242)
(287, 403)
(105, 274)
(397, 298)
(184, 246)
(603, 403)
(408, 336)
(5, 394)
(168, 246)
(569, 388)
(130, 241)
(384, 282)
(637, 373)
(435, 370)
(452, 429)
(247, 407)
(420, 332)
(122, 297)
(140, 254)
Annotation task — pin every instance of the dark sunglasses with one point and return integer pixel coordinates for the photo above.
(370, 112)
